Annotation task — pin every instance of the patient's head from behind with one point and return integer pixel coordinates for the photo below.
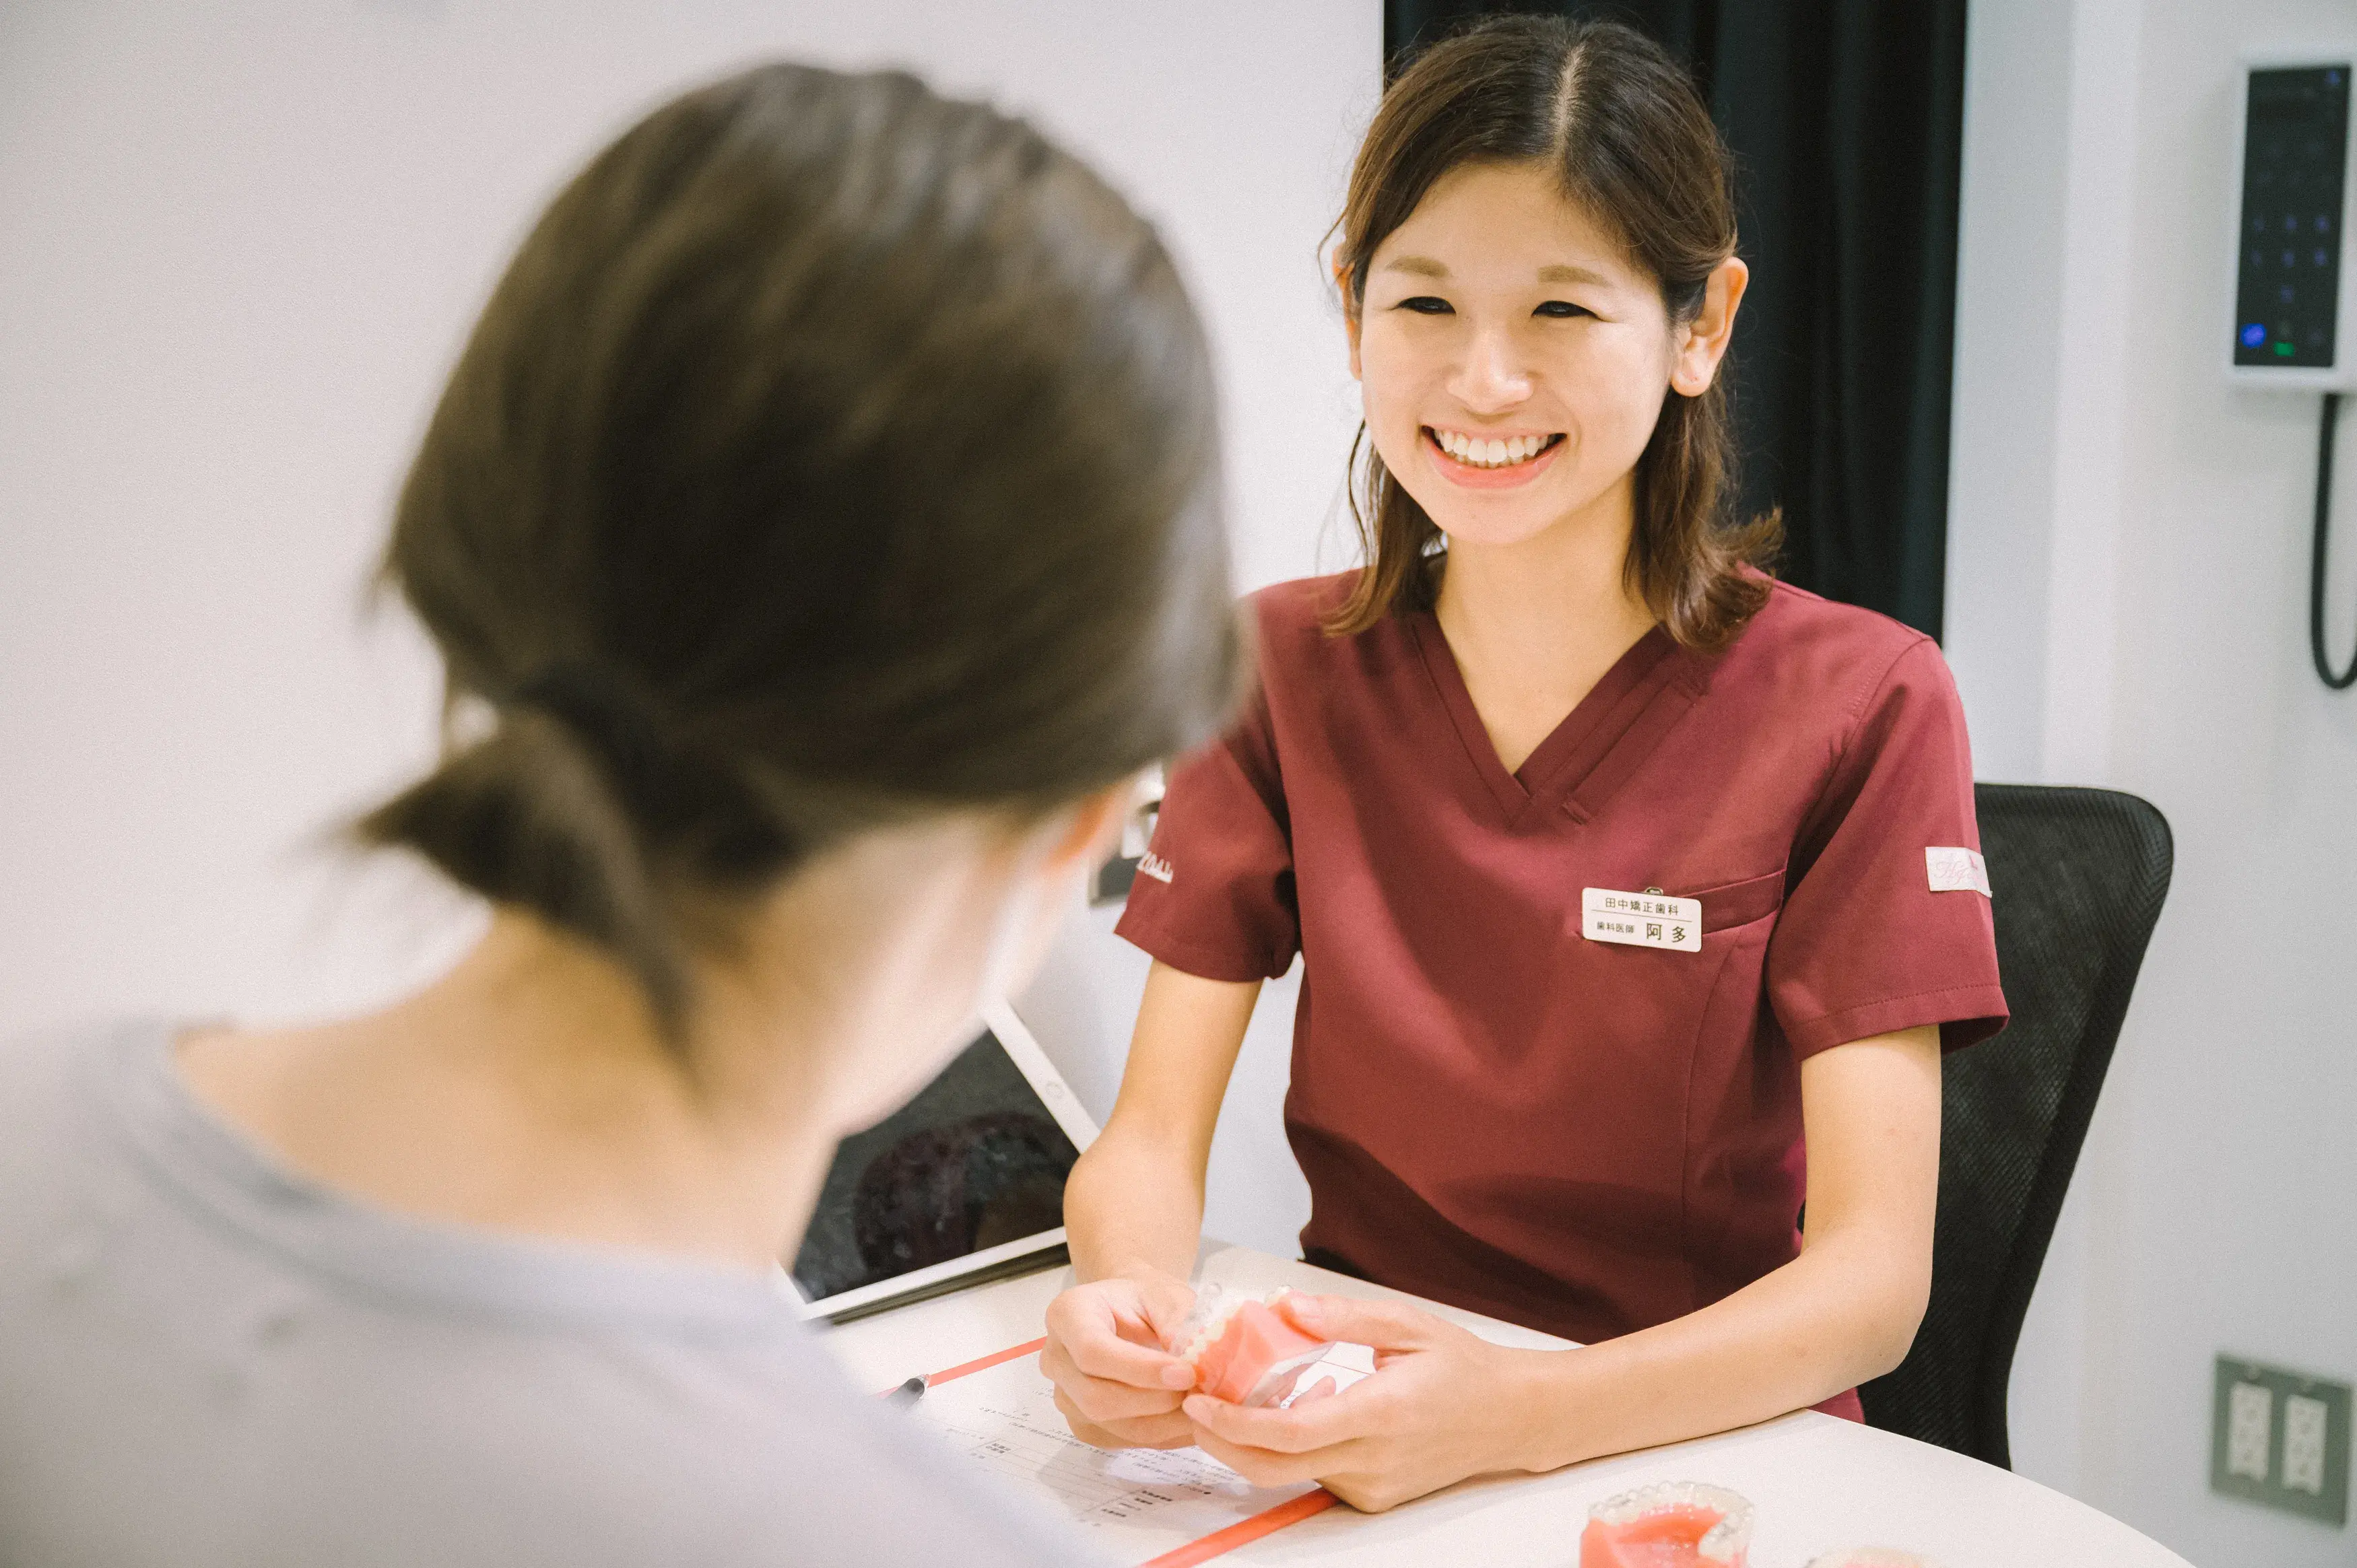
(821, 529)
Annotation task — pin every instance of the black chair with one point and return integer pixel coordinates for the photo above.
(2079, 877)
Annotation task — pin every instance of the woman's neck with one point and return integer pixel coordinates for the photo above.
(1534, 623)
(530, 1091)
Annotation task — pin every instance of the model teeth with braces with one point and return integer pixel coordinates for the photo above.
(1241, 1349)
(1675, 1522)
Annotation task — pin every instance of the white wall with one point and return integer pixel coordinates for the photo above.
(2127, 607)
(242, 242)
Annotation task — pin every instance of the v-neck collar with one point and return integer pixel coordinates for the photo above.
(1622, 706)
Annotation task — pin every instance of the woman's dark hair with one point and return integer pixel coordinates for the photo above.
(1620, 125)
(831, 453)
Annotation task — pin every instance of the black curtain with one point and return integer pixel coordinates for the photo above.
(1846, 120)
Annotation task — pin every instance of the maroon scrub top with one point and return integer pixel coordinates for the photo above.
(1492, 1110)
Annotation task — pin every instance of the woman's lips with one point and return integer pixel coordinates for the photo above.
(1511, 477)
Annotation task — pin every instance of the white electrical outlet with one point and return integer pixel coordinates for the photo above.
(2249, 1417)
(2280, 1438)
(2305, 1423)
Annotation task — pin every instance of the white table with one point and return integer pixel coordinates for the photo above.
(1817, 1482)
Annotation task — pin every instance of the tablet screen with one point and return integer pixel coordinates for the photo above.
(975, 1160)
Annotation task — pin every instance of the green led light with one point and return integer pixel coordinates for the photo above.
(2282, 350)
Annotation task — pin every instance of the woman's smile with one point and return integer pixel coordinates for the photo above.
(1489, 461)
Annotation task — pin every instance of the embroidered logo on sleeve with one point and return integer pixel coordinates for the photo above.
(1957, 870)
(1154, 865)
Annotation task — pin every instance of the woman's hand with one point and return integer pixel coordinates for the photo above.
(1442, 1405)
(1115, 1384)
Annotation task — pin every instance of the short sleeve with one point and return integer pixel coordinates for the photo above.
(1866, 944)
(1214, 896)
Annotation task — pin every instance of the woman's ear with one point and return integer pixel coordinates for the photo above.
(1090, 828)
(1350, 313)
(1702, 343)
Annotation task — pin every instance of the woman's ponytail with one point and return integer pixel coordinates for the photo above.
(525, 818)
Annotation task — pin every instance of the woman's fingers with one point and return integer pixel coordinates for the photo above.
(1383, 1324)
(1263, 1469)
(1165, 1376)
(1088, 1333)
(1115, 1383)
(1304, 1428)
(1103, 1400)
(1171, 1430)
(1164, 1304)
(1367, 1493)
(1324, 1387)
(1088, 1431)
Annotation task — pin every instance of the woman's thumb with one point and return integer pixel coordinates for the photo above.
(1381, 1325)
(1166, 1303)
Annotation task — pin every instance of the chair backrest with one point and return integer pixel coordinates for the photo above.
(2078, 877)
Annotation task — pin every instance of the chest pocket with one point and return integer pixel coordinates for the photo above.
(1731, 904)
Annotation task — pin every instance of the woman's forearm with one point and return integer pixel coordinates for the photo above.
(1136, 1200)
(1825, 1322)
(1133, 1203)
(1844, 1311)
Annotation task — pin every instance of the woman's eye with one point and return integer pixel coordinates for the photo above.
(1425, 305)
(1560, 307)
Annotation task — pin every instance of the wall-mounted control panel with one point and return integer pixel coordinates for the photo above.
(2295, 306)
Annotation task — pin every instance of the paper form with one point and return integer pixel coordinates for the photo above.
(1137, 1504)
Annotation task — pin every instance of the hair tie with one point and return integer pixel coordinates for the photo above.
(666, 784)
(612, 715)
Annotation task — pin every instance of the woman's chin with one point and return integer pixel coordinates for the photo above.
(1492, 518)
(1486, 533)
(1494, 526)
(1496, 519)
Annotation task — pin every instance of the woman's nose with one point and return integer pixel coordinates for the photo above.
(1491, 378)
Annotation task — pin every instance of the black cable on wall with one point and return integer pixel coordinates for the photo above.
(2343, 679)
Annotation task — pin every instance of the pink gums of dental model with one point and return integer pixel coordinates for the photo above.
(1677, 1524)
(1243, 1351)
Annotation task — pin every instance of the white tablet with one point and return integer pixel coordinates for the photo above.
(964, 1183)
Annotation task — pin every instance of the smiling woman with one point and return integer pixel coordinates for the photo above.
(1630, 262)
(1602, 852)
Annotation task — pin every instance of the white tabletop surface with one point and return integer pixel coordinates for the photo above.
(1817, 1482)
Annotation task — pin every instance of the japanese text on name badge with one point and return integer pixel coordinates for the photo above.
(1641, 919)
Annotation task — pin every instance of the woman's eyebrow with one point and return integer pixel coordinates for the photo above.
(1559, 272)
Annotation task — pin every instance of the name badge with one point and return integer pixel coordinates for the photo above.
(1641, 919)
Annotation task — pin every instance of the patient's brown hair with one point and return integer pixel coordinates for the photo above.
(831, 453)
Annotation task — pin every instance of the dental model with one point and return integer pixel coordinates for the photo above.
(1241, 1351)
(1676, 1524)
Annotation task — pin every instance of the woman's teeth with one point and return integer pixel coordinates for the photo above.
(1475, 451)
